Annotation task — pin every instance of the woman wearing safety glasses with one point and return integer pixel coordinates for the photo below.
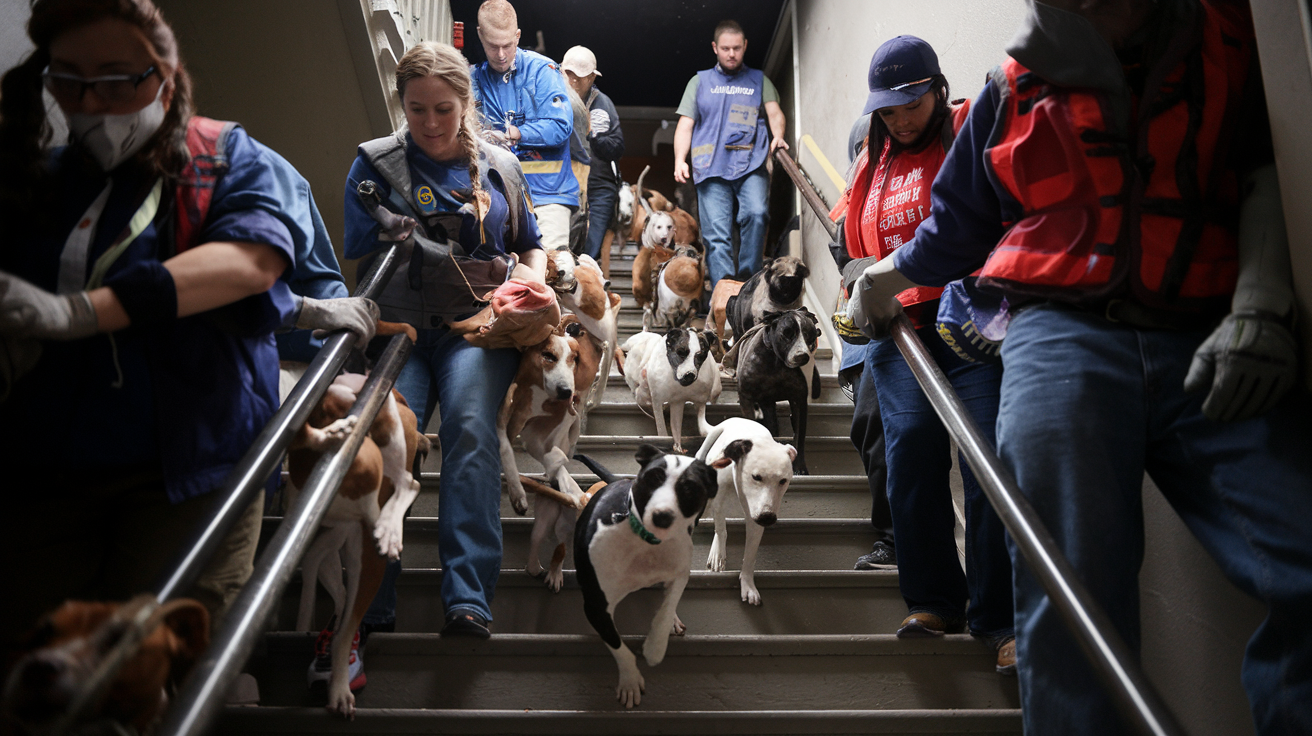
(140, 285)
(912, 125)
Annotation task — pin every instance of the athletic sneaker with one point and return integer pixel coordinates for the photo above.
(881, 557)
(321, 667)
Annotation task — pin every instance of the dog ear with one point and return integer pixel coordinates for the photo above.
(189, 623)
(710, 338)
(672, 338)
(770, 316)
(802, 270)
(707, 476)
(768, 264)
(574, 329)
(738, 449)
(647, 453)
(723, 462)
(792, 452)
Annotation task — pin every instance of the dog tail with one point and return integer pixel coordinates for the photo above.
(597, 468)
(706, 428)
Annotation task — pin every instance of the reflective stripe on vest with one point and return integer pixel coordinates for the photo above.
(1097, 214)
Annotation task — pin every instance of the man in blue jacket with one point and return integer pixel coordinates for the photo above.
(721, 123)
(521, 95)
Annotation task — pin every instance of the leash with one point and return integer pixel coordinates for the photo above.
(636, 524)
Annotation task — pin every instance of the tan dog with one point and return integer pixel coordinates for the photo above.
(657, 248)
(679, 285)
(724, 289)
(370, 503)
(541, 407)
(584, 291)
(68, 646)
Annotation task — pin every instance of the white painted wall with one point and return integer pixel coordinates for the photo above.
(1195, 624)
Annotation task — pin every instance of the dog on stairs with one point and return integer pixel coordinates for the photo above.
(672, 369)
(775, 361)
(636, 533)
(758, 478)
(678, 290)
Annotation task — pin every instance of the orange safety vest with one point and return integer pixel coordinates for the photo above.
(207, 146)
(1159, 211)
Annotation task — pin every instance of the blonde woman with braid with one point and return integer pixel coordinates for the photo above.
(467, 196)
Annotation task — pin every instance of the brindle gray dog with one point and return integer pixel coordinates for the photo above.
(777, 287)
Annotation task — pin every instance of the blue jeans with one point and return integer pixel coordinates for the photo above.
(868, 438)
(715, 198)
(919, 456)
(601, 208)
(1088, 406)
(470, 384)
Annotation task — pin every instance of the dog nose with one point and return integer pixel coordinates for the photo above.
(663, 519)
(687, 379)
(563, 394)
(767, 518)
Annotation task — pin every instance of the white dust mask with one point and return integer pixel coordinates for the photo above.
(113, 139)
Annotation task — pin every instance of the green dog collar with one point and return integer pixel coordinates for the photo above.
(636, 525)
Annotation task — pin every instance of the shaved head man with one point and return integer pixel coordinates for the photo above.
(498, 31)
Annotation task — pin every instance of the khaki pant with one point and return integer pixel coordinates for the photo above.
(553, 222)
(109, 541)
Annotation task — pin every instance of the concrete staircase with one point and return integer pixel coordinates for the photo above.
(818, 657)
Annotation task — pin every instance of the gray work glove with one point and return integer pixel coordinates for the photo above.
(876, 292)
(30, 311)
(357, 314)
(1249, 362)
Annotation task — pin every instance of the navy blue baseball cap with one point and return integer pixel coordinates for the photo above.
(900, 72)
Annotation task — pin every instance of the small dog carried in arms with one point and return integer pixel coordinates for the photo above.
(636, 533)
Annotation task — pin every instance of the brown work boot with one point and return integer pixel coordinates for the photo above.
(1007, 656)
(923, 625)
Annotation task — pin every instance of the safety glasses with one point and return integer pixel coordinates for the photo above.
(69, 89)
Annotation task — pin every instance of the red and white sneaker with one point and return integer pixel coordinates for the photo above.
(321, 667)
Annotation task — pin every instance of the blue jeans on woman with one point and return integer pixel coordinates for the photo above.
(470, 383)
(1087, 407)
(715, 198)
(919, 456)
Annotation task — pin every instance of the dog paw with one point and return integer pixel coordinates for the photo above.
(629, 692)
(343, 704)
(519, 502)
(555, 580)
(388, 535)
(653, 650)
(678, 629)
(716, 560)
(751, 595)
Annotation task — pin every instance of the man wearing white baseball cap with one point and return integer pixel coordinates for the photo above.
(605, 139)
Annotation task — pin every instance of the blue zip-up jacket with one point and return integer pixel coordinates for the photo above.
(532, 97)
(196, 391)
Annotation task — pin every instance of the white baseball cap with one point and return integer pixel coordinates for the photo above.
(581, 61)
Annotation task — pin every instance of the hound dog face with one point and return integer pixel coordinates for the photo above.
(556, 357)
(659, 230)
(764, 469)
(792, 335)
(686, 349)
(785, 277)
(671, 491)
(560, 272)
(68, 644)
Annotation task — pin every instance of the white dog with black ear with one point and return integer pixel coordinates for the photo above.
(672, 369)
(761, 471)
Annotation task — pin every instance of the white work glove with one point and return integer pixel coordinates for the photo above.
(1251, 359)
(876, 292)
(30, 311)
(357, 314)
(1249, 362)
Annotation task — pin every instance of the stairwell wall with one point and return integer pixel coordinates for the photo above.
(1195, 624)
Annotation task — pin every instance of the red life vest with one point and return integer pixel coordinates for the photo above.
(206, 143)
(885, 204)
(1155, 216)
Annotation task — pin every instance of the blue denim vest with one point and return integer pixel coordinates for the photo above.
(730, 139)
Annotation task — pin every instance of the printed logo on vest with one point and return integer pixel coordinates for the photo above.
(427, 202)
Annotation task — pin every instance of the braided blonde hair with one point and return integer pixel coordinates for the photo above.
(433, 59)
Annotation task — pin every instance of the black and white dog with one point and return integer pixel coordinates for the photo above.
(777, 287)
(636, 533)
(777, 363)
(672, 369)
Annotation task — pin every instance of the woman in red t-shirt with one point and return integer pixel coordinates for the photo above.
(911, 130)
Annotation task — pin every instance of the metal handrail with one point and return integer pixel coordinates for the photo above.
(203, 692)
(1136, 697)
(238, 492)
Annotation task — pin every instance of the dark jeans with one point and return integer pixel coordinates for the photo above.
(601, 208)
(868, 437)
(920, 496)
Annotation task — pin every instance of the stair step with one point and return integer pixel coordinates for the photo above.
(625, 418)
(809, 496)
(699, 673)
(830, 393)
(828, 602)
(639, 722)
(825, 454)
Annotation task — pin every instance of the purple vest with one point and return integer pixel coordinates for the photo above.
(731, 138)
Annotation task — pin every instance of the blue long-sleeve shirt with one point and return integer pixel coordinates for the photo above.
(532, 97)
